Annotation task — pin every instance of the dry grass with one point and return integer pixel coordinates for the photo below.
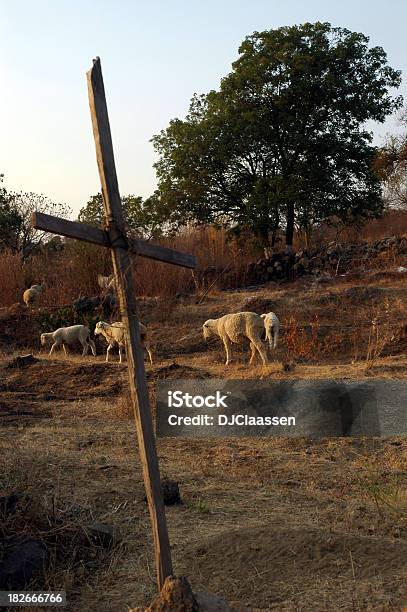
(72, 272)
(66, 274)
(272, 524)
(254, 512)
(393, 223)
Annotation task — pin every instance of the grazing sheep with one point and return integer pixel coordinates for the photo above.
(115, 333)
(70, 335)
(32, 294)
(272, 327)
(233, 328)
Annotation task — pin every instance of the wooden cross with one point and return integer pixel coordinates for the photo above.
(115, 238)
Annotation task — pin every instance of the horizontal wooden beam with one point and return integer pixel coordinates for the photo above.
(88, 233)
(160, 253)
(70, 229)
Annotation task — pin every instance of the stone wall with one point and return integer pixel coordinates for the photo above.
(334, 258)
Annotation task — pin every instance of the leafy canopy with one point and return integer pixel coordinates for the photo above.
(282, 143)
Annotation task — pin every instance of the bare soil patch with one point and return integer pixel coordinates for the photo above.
(302, 561)
(65, 380)
(31, 391)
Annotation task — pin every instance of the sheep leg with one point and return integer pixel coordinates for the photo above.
(260, 349)
(228, 345)
(52, 348)
(147, 348)
(85, 348)
(92, 346)
(276, 331)
(107, 352)
(253, 353)
(120, 354)
(63, 346)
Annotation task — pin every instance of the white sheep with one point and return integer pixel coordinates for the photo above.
(115, 333)
(32, 294)
(69, 335)
(234, 328)
(272, 328)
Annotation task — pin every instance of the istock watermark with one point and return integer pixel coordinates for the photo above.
(327, 408)
(177, 399)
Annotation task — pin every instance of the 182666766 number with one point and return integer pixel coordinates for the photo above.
(28, 598)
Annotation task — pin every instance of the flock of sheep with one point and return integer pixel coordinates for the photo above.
(114, 333)
(234, 328)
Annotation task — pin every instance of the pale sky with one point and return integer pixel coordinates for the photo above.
(155, 55)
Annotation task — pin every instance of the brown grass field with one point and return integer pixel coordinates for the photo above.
(269, 524)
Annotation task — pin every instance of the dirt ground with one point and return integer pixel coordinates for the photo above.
(269, 524)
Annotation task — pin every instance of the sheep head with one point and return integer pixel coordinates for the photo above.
(207, 329)
(99, 327)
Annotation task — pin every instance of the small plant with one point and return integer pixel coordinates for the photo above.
(382, 330)
(299, 343)
(390, 497)
(123, 407)
(202, 506)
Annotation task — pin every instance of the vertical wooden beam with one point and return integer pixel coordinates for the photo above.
(129, 312)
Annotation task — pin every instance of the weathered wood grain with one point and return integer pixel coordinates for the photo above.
(128, 304)
(70, 229)
(160, 253)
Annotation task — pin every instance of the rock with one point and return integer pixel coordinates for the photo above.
(176, 595)
(288, 366)
(23, 361)
(22, 561)
(170, 492)
(102, 534)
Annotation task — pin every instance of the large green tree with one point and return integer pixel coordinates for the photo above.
(283, 142)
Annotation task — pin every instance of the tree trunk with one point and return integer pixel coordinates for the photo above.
(289, 232)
